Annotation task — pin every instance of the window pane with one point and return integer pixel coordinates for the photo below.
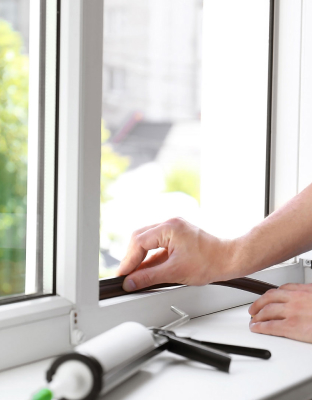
(14, 61)
(167, 149)
(151, 119)
(234, 115)
(27, 146)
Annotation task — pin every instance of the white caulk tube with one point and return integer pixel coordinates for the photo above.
(101, 363)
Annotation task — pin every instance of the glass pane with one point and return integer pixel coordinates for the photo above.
(234, 115)
(167, 149)
(151, 119)
(27, 144)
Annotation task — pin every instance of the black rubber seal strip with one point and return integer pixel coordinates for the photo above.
(113, 287)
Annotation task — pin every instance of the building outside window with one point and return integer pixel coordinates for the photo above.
(151, 118)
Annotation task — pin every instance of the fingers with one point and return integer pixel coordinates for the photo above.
(272, 311)
(158, 258)
(144, 229)
(146, 277)
(122, 270)
(276, 328)
(152, 238)
(302, 287)
(271, 296)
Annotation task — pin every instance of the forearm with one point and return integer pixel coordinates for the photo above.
(282, 235)
(190, 256)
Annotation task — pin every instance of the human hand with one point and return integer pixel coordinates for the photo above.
(286, 311)
(187, 255)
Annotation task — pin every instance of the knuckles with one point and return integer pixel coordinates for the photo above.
(263, 301)
(135, 234)
(268, 296)
(137, 239)
(268, 307)
(286, 286)
(176, 222)
(270, 293)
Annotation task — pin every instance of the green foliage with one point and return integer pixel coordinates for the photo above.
(13, 159)
(106, 273)
(183, 179)
(112, 164)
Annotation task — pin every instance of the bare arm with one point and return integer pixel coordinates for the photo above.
(284, 234)
(189, 255)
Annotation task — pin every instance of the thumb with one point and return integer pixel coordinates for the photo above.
(146, 277)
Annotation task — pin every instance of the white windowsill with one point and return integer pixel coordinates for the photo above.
(40, 328)
(166, 375)
(33, 310)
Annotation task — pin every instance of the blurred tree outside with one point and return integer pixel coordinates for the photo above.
(14, 79)
(112, 164)
(13, 160)
(183, 179)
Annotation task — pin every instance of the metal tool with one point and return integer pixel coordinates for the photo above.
(184, 318)
(226, 348)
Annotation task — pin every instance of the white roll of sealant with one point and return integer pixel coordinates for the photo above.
(81, 375)
(118, 345)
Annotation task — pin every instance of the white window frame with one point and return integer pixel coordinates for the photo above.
(41, 153)
(33, 147)
(40, 328)
(292, 140)
(292, 101)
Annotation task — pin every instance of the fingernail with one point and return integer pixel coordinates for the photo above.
(129, 285)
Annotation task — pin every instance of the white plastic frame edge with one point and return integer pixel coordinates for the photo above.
(33, 129)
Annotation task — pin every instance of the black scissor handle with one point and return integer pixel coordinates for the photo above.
(240, 350)
(196, 351)
(226, 348)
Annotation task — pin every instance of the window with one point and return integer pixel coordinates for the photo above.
(50, 325)
(151, 119)
(167, 148)
(13, 153)
(235, 97)
(27, 151)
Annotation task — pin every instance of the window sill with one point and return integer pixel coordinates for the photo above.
(287, 375)
(41, 328)
(33, 310)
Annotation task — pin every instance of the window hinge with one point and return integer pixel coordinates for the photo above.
(76, 335)
(307, 263)
(307, 269)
